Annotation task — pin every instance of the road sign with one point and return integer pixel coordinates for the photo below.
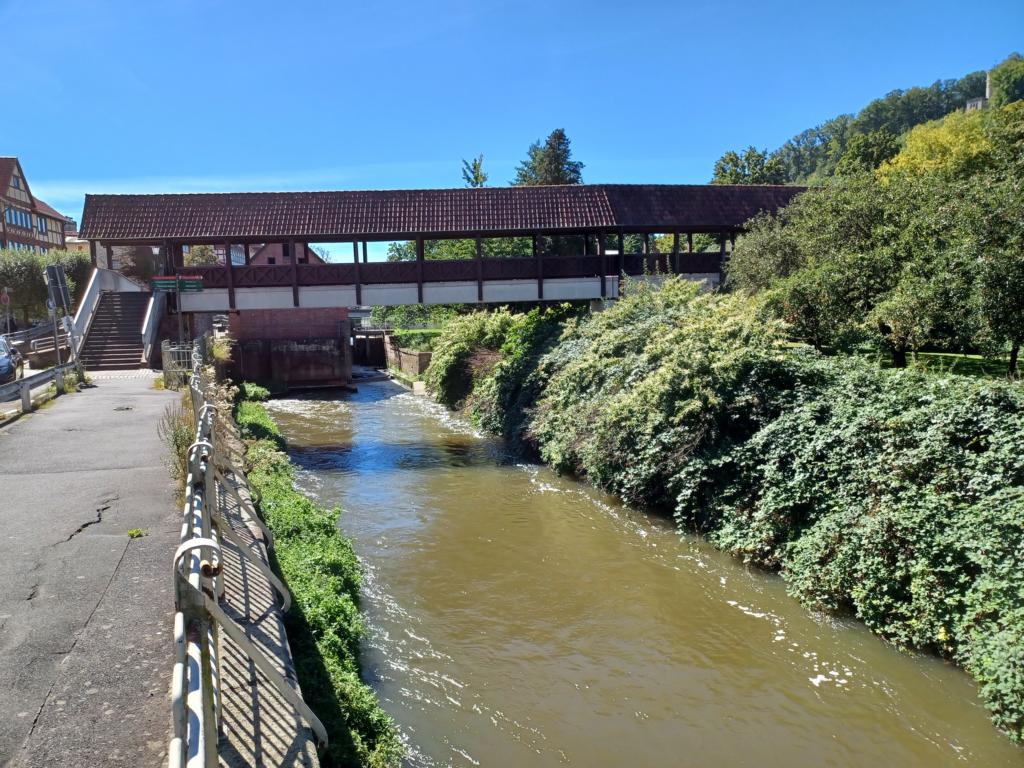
(57, 286)
(182, 283)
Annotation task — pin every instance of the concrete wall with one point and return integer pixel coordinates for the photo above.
(293, 324)
(296, 347)
(411, 363)
(309, 363)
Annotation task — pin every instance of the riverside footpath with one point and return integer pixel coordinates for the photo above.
(85, 613)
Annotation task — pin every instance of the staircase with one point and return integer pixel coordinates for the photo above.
(114, 340)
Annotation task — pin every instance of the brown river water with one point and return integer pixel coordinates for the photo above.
(518, 618)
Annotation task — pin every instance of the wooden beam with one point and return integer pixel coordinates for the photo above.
(92, 249)
(600, 251)
(622, 253)
(419, 269)
(540, 268)
(359, 287)
(365, 257)
(479, 269)
(248, 254)
(675, 253)
(230, 270)
(295, 274)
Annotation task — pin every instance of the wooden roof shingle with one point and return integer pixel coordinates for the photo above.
(402, 213)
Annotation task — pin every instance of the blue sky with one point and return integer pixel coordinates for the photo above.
(200, 95)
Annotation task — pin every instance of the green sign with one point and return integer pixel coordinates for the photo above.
(183, 283)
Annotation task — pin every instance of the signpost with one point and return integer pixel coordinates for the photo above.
(179, 284)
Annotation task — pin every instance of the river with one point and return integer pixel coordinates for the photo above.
(517, 618)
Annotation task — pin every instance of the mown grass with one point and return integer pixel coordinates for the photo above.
(324, 624)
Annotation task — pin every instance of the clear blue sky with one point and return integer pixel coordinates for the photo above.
(200, 95)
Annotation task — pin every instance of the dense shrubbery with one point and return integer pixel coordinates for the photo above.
(895, 495)
(324, 624)
(22, 272)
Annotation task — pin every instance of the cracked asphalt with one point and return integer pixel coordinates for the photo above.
(85, 611)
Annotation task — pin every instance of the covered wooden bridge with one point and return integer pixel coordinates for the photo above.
(590, 224)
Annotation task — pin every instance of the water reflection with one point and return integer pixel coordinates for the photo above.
(519, 618)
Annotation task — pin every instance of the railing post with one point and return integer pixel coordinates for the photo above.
(26, 397)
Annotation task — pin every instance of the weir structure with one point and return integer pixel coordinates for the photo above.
(551, 243)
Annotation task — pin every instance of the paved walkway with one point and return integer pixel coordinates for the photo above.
(85, 611)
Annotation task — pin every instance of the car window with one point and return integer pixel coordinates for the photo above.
(3, 347)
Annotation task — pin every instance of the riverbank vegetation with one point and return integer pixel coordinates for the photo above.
(894, 495)
(323, 574)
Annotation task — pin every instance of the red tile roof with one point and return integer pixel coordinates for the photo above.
(47, 210)
(398, 214)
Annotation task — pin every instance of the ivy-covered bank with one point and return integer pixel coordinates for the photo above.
(324, 624)
(897, 496)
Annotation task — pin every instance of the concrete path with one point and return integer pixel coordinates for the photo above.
(85, 611)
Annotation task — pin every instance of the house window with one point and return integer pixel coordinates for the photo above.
(271, 260)
(42, 225)
(15, 182)
(19, 218)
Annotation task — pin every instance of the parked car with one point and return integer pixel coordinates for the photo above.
(12, 365)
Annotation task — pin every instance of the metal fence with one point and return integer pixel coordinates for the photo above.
(213, 462)
(176, 361)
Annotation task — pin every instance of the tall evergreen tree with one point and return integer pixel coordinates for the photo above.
(473, 172)
(549, 163)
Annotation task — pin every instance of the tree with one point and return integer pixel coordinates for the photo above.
(22, 271)
(321, 251)
(1008, 81)
(955, 145)
(752, 167)
(200, 256)
(867, 151)
(549, 163)
(473, 172)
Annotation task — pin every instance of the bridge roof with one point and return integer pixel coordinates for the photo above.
(407, 213)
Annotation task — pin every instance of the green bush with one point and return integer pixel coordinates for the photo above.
(247, 390)
(324, 625)
(468, 347)
(418, 340)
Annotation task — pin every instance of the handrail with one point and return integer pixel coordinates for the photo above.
(199, 585)
(151, 323)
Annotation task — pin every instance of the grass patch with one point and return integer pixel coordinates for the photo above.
(324, 625)
(137, 533)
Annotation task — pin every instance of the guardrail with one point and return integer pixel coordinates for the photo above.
(199, 587)
(25, 386)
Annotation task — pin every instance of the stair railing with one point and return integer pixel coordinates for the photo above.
(151, 324)
(99, 281)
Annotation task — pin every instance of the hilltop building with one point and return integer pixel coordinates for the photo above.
(26, 222)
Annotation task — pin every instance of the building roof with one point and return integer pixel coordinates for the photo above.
(399, 214)
(7, 166)
(48, 210)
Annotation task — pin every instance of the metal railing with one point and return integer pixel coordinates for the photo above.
(199, 586)
(25, 386)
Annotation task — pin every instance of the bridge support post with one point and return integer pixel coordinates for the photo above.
(355, 258)
(295, 273)
(419, 269)
(540, 268)
(479, 269)
(604, 267)
(230, 271)
(675, 253)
